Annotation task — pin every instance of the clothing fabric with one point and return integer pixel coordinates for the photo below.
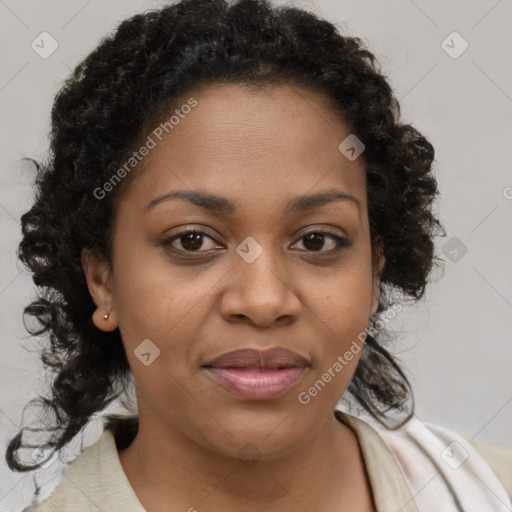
(420, 467)
(442, 471)
(500, 460)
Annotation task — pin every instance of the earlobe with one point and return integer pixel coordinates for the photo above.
(99, 282)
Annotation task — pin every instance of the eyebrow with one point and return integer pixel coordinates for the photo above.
(223, 205)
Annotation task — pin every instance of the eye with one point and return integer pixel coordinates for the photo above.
(314, 241)
(190, 241)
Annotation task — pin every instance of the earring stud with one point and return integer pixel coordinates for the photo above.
(105, 316)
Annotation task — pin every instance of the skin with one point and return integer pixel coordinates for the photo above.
(258, 149)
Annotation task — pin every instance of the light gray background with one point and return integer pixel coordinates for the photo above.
(456, 345)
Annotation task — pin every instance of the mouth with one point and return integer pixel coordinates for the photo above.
(258, 375)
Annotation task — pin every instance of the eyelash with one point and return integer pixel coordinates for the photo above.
(341, 242)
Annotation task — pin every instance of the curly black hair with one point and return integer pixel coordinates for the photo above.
(106, 107)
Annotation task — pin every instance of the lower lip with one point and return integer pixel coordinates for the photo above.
(257, 385)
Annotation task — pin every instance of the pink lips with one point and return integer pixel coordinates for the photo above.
(258, 375)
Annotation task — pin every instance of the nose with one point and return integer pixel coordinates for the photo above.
(262, 291)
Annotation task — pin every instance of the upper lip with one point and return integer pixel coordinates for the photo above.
(277, 357)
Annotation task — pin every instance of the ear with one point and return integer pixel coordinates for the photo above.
(99, 279)
(379, 261)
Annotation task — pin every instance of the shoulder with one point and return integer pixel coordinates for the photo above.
(482, 457)
(441, 467)
(77, 476)
(499, 459)
(93, 481)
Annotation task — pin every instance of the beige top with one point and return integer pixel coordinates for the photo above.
(95, 481)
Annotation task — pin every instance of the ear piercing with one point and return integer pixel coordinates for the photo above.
(105, 316)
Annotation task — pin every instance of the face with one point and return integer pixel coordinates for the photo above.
(253, 274)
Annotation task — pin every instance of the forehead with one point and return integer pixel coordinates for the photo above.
(280, 140)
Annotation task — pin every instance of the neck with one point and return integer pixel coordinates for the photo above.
(170, 471)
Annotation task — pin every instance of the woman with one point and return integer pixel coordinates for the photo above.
(229, 206)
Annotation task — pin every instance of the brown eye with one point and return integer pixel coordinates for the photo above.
(315, 241)
(190, 241)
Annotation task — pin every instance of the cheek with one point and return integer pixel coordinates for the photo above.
(144, 291)
(157, 301)
(344, 302)
(345, 319)
(151, 305)
(342, 313)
